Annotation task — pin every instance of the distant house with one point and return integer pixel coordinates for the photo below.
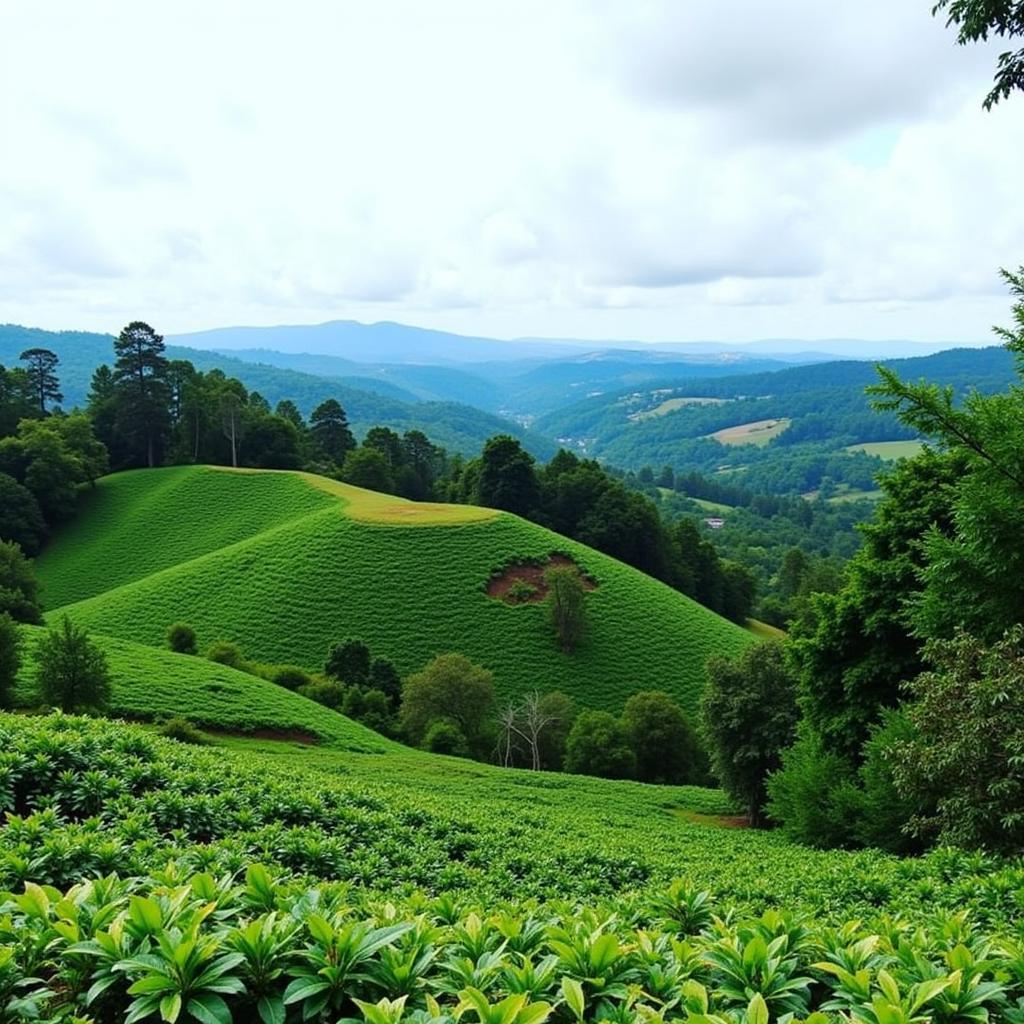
(714, 522)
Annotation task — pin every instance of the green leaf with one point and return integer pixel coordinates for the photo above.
(271, 1009)
(303, 988)
(170, 1007)
(572, 993)
(757, 1010)
(209, 1009)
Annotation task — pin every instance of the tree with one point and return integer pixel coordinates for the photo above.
(560, 712)
(181, 638)
(507, 477)
(388, 443)
(748, 716)
(18, 585)
(349, 662)
(453, 687)
(10, 659)
(140, 376)
(662, 738)
(445, 737)
(384, 677)
(329, 431)
(967, 758)
(369, 468)
(20, 518)
(528, 722)
(71, 670)
(566, 603)
(43, 380)
(977, 20)
(232, 423)
(598, 745)
(289, 411)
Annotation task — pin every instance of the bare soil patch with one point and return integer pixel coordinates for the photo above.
(523, 582)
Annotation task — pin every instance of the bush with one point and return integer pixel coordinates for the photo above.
(181, 638)
(598, 745)
(10, 658)
(384, 677)
(445, 737)
(225, 653)
(20, 518)
(813, 796)
(371, 707)
(560, 712)
(291, 677)
(18, 586)
(521, 591)
(71, 670)
(328, 692)
(182, 730)
(566, 605)
(349, 661)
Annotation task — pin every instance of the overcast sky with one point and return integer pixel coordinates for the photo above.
(654, 169)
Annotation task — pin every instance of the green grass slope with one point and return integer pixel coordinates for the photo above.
(409, 579)
(148, 684)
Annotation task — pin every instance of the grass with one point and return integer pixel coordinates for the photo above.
(764, 630)
(148, 684)
(712, 506)
(409, 580)
(758, 432)
(888, 450)
(672, 404)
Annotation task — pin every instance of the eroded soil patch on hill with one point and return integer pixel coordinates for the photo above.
(523, 582)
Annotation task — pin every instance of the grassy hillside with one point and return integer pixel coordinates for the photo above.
(148, 684)
(410, 579)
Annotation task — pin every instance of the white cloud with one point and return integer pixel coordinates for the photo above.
(654, 169)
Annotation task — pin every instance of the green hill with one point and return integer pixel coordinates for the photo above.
(148, 684)
(285, 564)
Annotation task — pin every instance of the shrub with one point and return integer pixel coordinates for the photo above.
(182, 730)
(71, 670)
(598, 745)
(445, 737)
(225, 653)
(181, 638)
(371, 707)
(521, 591)
(18, 586)
(10, 658)
(566, 605)
(328, 692)
(349, 661)
(662, 738)
(291, 677)
(384, 677)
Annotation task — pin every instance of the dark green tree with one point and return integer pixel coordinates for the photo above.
(507, 477)
(20, 518)
(140, 376)
(42, 376)
(384, 677)
(181, 638)
(71, 671)
(748, 716)
(329, 431)
(566, 603)
(18, 586)
(369, 468)
(349, 662)
(662, 738)
(598, 745)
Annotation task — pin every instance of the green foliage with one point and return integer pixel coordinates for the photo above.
(748, 716)
(598, 744)
(566, 603)
(367, 467)
(20, 519)
(42, 376)
(966, 758)
(291, 677)
(445, 736)
(329, 431)
(349, 662)
(236, 574)
(507, 479)
(182, 730)
(225, 653)
(449, 687)
(662, 738)
(10, 658)
(18, 586)
(71, 671)
(181, 638)
(328, 692)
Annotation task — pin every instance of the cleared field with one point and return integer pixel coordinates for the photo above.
(672, 404)
(411, 584)
(757, 432)
(148, 684)
(853, 495)
(712, 506)
(764, 630)
(888, 450)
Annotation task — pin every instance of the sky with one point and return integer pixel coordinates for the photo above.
(607, 169)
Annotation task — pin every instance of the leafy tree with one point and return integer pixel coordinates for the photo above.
(43, 380)
(16, 399)
(18, 586)
(289, 411)
(369, 468)
(140, 377)
(598, 745)
(388, 443)
(662, 738)
(566, 603)
(385, 678)
(966, 760)
(181, 638)
(349, 662)
(10, 659)
(20, 518)
(507, 477)
(977, 20)
(272, 443)
(748, 717)
(371, 707)
(445, 736)
(451, 687)
(560, 713)
(329, 430)
(230, 405)
(71, 670)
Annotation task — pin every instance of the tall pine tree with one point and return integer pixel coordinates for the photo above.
(140, 374)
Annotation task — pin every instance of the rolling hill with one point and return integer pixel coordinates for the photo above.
(286, 564)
